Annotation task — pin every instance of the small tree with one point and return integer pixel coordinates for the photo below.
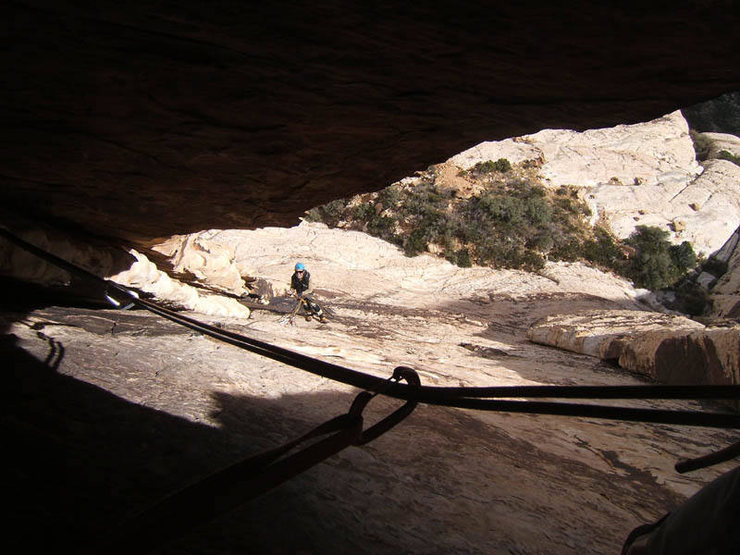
(658, 264)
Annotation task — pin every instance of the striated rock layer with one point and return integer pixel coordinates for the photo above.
(604, 334)
(666, 349)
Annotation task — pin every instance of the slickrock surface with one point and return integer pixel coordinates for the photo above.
(114, 409)
(630, 175)
(667, 349)
(603, 334)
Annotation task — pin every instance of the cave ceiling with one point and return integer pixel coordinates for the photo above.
(142, 120)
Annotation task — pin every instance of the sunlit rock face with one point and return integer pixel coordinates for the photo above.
(664, 348)
(145, 407)
(604, 334)
(631, 175)
(115, 117)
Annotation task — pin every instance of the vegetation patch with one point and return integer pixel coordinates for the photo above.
(657, 263)
(509, 220)
(501, 165)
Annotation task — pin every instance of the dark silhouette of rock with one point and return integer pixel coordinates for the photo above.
(143, 121)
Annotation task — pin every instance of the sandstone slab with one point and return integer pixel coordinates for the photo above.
(604, 334)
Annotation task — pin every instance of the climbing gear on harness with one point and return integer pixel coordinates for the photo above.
(312, 308)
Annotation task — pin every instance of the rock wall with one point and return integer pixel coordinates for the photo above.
(630, 175)
(709, 356)
(117, 115)
(726, 290)
(145, 276)
(210, 262)
(604, 334)
(663, 348)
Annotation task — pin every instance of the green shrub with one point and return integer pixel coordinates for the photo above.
(657, 264)
(313, 215)
(415, 243)
(683, 256)
(603, 250)
(567, 249)
(364, 212)
(382, 226)
(512, 223)
(501, 165)
(462, 258)
(390, 196)
(426, 198)
(527, 206)
(501, 209)
(330, 213)
(542, 241)
(537, 210)
(567, 191)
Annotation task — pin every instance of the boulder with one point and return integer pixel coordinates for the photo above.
(209, 261)
(664, 348)
(708, 356)
(604, 334)
(145, 276)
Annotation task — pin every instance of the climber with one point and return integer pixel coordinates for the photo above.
(300, 283)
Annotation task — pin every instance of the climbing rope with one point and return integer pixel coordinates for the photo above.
(498, 398)
(234, 485)
(224, 490)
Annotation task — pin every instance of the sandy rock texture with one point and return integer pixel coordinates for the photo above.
(630, 175)
(146, 276)
(116, 409)
(667, 349)
(210, 262)
(141, 407)
(603, 334)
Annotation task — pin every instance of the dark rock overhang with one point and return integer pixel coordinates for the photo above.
(141, 122)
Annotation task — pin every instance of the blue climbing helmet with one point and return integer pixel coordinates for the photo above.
(300, 266)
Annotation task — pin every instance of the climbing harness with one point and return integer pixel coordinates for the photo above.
(290, 317)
